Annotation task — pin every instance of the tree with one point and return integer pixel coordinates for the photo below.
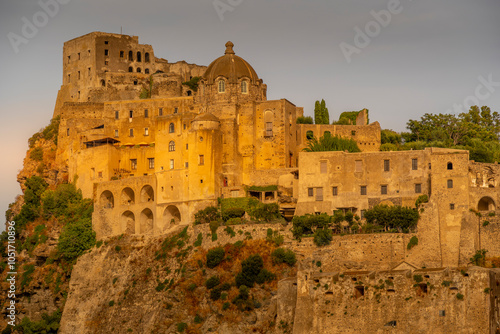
(304, 120)
(321, 115)
(331, 143)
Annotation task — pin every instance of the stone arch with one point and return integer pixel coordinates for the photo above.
(131, 69)
(130, 56)
(146, 222)
(128, 196)
(103, 83)
(189, 93)
(146, 57)
(171, 212)
(486, 204)
(449, 165)
(244, 87)
(138, 70)
(309, 135)
(127, 222)
(146, 71)
(107, 199)
(171, 128)
(139, 56)
(147, 194)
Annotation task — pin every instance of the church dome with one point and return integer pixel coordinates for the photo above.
(231, 67)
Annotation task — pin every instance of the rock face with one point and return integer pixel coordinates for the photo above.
(139, 284)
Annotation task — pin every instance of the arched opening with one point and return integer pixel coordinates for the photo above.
(146, 71)
(327, 133)
(146, 57)
(131, 69)
(130, 56)
(449, 166)
(222, 86)
(244, 87)
(128, 196)
(138, 70)
(309, 134)
(107, 200)
(189, 93)
(146, 222)
(103, 83)
(127, 222)
(171, 216)
(486, 204)
(268, 123)
(138, 56)
(171, 146)
(147, 194)
(171, 128)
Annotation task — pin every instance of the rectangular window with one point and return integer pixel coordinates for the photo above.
(117, 114)
(383, 190)
(310, 192)
(201, 160)
(146, 131)
(323, 167)
(151, 163)
(89, 71)
(319, 194)
(358, 167)
(269, 129)
(69, 78)
(452, 206)
(122, 54)
(79, 76)
(131, 132)
(418, 188)
(106, 63)
(171, 163)
(99, 174)
(186, 165)
(106, 52)
(160, 112)
(133, 164)
(176, 110)
(116, 134)
(78, 55)
(146, 113)
(106, 42)
(67, 132)
(185, 126)
(130, 113)
(450, 184)
(69, 59)
(235, 193)
(335, 191)
(414, 164)
(387, 165)
(363, 190)
(187, 145)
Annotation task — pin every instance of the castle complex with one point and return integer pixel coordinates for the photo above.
(153, 142)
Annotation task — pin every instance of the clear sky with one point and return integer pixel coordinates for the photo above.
(399, 59)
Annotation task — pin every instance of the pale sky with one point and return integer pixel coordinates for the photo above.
(423, 57)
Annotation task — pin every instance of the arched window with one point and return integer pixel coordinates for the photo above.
(450, 183)
(130, 69)
(171, 146)
(171, 128)
(189, 93)
(327, 133)
(449, 166)
(138, 70)
(138, 56)
(103, 83)
(268, 123)
(244, 87)
(146, 57)
(309, 134)
(130, 56)
(146, 71)
(222, 86)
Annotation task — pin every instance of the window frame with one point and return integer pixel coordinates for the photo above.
(363, 190)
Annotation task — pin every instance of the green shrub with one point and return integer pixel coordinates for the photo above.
(111, 303)
(215, 256)
(36, 154)
(206, 215)
(323, 237)
(49, 324)
(305, 225)
(280, 255)
(181, 327)
(192, 287)
(413, 242)
(214, 225)
(198, 319)
(265, 276)
(266, 212)
(418, 278)
(29, 269)
(215, 293)
(199, 240)
(250, 269)
(232, 213)
(486, 223)
(392, 217)
(225, 306)
(274, 237)
(304, 120)
(76, 238)
(421, 199)
(212, 282)
(193, 83)
(234, 221)
(479, 258)
(460, 296)
(230, 231)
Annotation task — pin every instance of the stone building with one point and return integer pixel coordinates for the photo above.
(154, 161)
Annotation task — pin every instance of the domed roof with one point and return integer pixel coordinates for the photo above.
(230, 66)
(205, 116)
